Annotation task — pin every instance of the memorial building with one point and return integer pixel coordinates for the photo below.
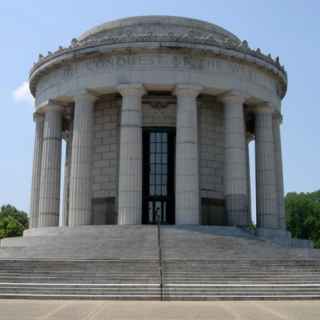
(157, 113)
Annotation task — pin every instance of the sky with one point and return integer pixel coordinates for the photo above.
(285, 28)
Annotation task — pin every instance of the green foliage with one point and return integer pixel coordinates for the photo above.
(12, 221)
(252, 227)
(303, 215)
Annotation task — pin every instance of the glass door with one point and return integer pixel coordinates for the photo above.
(158, 175)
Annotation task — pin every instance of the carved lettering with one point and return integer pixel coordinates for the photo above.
(236, 67)
(109, 64)
(104, 65)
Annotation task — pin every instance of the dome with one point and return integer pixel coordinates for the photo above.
(158, 28)
(161, 34)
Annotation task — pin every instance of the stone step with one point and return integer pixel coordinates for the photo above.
(222, 277)
(166, 275)
(228, 274)
(194, 277)
(113, 262)
(249, 278)
(151, 281)
(118, 296)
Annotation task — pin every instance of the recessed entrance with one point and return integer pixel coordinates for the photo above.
(158, 175)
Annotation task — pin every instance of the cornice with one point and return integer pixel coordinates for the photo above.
(202, 42)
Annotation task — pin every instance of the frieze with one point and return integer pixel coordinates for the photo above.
(186, 62)
(109, 64)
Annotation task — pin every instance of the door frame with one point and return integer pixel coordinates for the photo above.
(146, 169)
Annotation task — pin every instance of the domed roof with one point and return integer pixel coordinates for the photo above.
(158, 28)
(157, 33)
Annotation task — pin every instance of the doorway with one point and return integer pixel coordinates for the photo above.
(158, 175)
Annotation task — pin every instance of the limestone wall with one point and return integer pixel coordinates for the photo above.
(105, 159)
(211, 150)
(106, 150)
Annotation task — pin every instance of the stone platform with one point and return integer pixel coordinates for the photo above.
(129, 262)
(87, 242)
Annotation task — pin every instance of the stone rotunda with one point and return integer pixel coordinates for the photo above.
(157, 113)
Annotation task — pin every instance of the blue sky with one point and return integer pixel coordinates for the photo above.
(288, 28)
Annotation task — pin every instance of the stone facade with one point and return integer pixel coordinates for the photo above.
(211, 144)
(105, 149)
(157, 112)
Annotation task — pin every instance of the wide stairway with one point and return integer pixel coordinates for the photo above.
(105, 279)
(139, 262)
(101, 262)
(203, 263)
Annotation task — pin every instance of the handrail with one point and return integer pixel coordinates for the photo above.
(160, 262)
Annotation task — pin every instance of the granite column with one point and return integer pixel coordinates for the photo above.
(235, 168)
(51, 167)
(80, 207)
(130, 158)
(36, 171)
(187, 193)
(266, 185)
(278, 168)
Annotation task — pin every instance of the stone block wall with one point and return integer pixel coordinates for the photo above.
(105, 159)
(211, 151)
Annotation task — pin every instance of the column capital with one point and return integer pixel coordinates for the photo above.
(84, 96)
(49, 105)
(233, 97)
(131, 89)
(265, 107)
(188, 90)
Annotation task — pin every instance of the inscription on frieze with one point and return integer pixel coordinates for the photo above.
(186, 62)
(197, 63)
(170, 61)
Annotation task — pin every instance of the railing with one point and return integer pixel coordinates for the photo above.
(160, 258)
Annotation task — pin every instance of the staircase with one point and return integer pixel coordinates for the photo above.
(209, 263)
(83, 279)
(138, 262)
(245, 279)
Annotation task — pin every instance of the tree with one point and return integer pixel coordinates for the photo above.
(303, 215)
(12, 221)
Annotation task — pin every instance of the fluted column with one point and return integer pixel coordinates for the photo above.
(279, 171)
(235, 163)
(50, 167)
(267, 209)
(36, 171)
(187, 194)
(67, 171)
(130, 158)
(80, 208)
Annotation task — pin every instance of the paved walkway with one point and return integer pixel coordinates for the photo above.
(105, 310)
